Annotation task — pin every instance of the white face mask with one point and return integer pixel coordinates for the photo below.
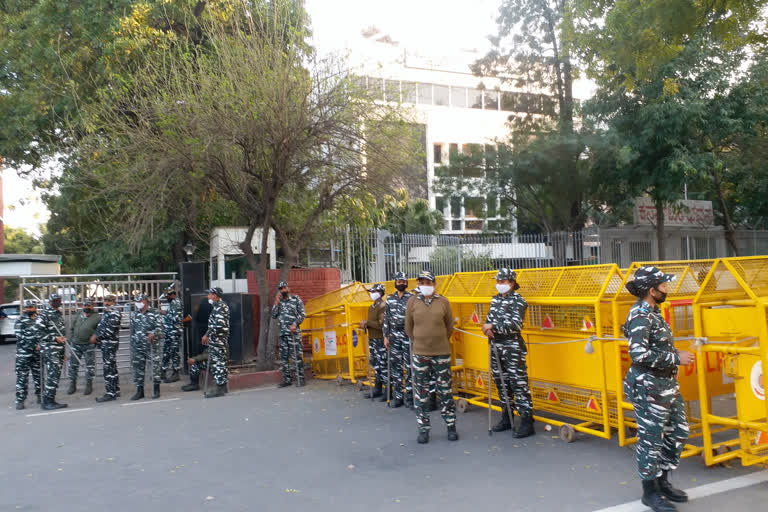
(426, 290)
(375, 296)
(139, 305)
(503, 288)
(210, 301)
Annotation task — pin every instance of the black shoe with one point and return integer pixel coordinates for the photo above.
(194, 384)
(20, 406)
(525, 429)
(653, 498)
(220, 390)
(139, 393)
(433, 402)
(50, 404)
(105, 398)
(504, 423)
(174, 376)
(669, 491)
(376, 392)
(397, 402)
(452, 434)
(284, 384)
(423, 438)
(88, 388)
(72, 387)
(409, 400)
(164, 377)
(156, 391)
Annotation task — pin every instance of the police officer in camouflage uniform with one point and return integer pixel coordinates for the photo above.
(397, 342)
(107, 336)
(289, 311)
(429, 325)
(146, 344)
(84, 347)
(377, 352)
(502, 327)
(217, 339)
(172, 322)
(651, 385)
(28, 336)
(52, 343)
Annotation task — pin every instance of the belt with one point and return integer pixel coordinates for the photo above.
(665, 373)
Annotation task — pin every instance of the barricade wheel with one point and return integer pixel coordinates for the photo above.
(359, 385)
(567, 433)
(339, 380)
(462, 405)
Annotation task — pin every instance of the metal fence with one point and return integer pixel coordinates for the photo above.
(375, 255)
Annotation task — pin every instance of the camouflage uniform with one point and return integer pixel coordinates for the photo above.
(651, 385)
(377, 352)
(289, 312)
(173, 333)
(107, 332)
(28, 334)
(218, 342)
(200, 365)
(506, 314)
(82, 329)
(52, 326)
(142, 325)
(399, 344)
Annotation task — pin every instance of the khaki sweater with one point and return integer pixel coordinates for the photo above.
(429, 327)
(376, 321)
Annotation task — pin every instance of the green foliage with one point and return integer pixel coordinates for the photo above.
(18, 241)
(448, 260)
(410, 216)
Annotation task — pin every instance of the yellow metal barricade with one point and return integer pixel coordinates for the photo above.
(678, 311)
(730, 316)
(568, 309)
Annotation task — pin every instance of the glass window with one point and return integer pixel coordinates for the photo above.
(215, 269)
(358, 84)
(473, 225)
(459, 97)
(375, 87)
(491, 206)
(453, 150)
(456, 207)
(409, 92)
(425, 94)
(475, 98)
(475, 167)
(442, 97)
(437, 151)
(440, 204)
(456, 225)
(509, 101)
(474, 207)
(491, 101)
(392, 91)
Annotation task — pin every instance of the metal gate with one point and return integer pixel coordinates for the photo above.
(73, 288)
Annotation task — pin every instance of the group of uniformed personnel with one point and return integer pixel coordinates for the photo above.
(155, 338)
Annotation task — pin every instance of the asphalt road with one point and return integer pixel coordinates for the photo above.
(321, 448)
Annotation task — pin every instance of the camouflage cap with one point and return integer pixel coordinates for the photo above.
(30, 304)
(646, 278)
(216, 291)
(140, 297)
(377, 288)
(400, 276)
(87, 301)
(282, 284)
(426, 274)
(110, 297)
(53, 297)
(508, 274)
(171, 289)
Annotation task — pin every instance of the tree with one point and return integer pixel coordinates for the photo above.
(18, 241)
(410, 216)
(258, 117)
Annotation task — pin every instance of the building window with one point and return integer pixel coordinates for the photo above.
(459, 97)
(474, 168)
(455, 207)
(409, 92)
(215, 269)
(453, 151)
(376, 87)
(509, 101)
(491, 101)
(440, 204)
(456, 225)
(473, 225)
(474, 207)
(437, 151)
(425, 94)
(442, 96)
(392, 91)
(475, 98)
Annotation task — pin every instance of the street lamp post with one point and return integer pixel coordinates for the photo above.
(189, 250)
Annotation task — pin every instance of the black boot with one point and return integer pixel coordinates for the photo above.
(174, 376)
(194, 383)
(669, 491)
(50, 404)
(654, 499)
(284, 384)
(376, 392)
(433, 402)
(156, 391)
(139, 393)
(423, 437)
(525, 428)
(20, 406)
(409, 400)
(72, 387)
(384, 394)
(397, 402)
(105, 398)
(504, 423)
(452, 434)
(220, 390)
(164, 377)
(88, 388)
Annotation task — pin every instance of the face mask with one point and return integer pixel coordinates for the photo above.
(284, 294)
(139, 305)
(375, 296)
(503, 288)
(661, 298)
(426, 291)
(30, 313)
(401, 287)
(87, 310)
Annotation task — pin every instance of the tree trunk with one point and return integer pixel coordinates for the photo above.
(660, 231)
(730, 233)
